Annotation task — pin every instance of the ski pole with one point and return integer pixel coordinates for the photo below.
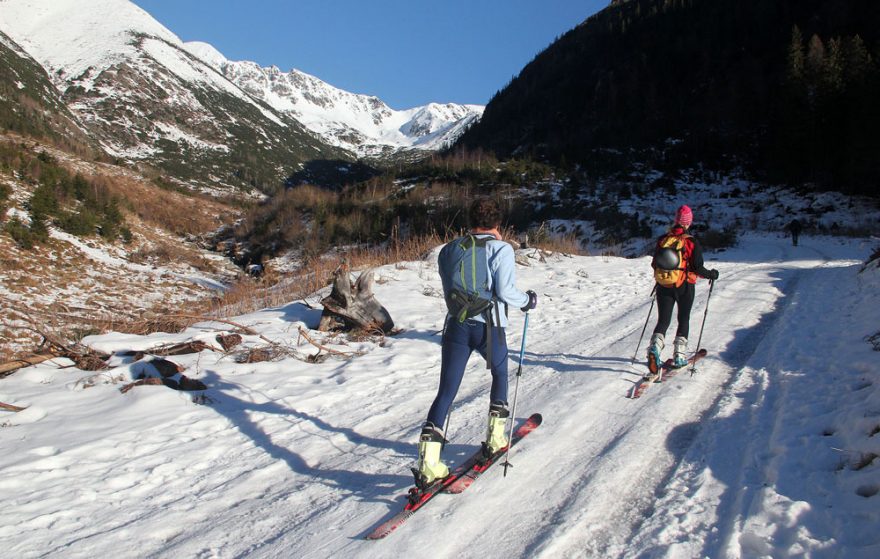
(653, 298)
(446, 429)
(522, 352)
(705, 313)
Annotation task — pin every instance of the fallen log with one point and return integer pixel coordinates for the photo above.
(183, 383)
(12, 366)
(354, 307)
(313, 358)
(183, 348)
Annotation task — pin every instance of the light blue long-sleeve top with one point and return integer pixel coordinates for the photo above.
(502, 278)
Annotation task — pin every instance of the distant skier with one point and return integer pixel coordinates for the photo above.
(478, 275)
(794, 228)
(677, 262)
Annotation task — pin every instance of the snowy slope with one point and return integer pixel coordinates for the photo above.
(73, 38)
(361, 123)
(77, 41)
(764, 452)
(147, 96)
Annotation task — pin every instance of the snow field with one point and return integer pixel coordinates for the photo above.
(290, 458)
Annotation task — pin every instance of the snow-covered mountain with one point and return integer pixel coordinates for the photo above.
(30, 104)
(146, 97)
(360, 123)
(148, 100)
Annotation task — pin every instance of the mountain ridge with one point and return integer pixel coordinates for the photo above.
(150, 101)
(360, 123)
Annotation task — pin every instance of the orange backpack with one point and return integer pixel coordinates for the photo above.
(674, 277)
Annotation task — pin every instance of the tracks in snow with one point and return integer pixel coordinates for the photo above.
(626, 452)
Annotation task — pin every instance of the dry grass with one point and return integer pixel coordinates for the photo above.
(6, 353)
(171, 211)
(163, 253)
(249, 295)
(566, 244)
(72, 294)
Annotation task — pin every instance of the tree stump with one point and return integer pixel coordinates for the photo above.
(352, 307)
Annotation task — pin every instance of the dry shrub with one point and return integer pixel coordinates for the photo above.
(164, 253)
(204, 264)
(249, 295)
(139, 323)
(310, 196)
(566, 244)
(171, 211)
(256, 355)
(6, 354)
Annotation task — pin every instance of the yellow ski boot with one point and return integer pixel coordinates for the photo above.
(496, 438)
(430, 467)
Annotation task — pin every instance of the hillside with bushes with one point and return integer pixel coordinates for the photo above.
(785, 88)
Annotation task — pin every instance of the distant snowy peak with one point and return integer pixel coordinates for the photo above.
(435, 118)
(363, 124)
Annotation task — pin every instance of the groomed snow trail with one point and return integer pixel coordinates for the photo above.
(291, 459)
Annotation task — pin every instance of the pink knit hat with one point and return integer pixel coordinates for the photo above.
(684, 216)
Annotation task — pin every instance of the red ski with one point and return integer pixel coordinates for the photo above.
(417, 498)
(465, 481)
(666, 371)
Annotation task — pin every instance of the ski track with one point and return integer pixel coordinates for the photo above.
(633, 437)
(717, 526)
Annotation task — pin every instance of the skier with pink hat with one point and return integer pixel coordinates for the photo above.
(677, 263)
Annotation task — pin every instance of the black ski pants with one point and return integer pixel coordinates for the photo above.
(667, 297)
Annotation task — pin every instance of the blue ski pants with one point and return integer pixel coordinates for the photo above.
(460, 339)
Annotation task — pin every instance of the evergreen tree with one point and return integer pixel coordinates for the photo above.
(796, 59)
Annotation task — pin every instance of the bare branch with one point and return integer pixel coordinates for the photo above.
(10, 407)
(302, 333)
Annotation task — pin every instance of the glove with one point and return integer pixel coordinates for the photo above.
(713, 275)
(533, 301)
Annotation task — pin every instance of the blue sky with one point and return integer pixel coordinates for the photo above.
(407, 53)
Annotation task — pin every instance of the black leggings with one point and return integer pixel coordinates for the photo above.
(667, 297)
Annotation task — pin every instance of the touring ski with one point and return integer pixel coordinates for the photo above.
(665, 371)
(465, 481)
(416, 498)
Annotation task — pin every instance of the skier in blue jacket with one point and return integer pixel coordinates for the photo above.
(461, 338)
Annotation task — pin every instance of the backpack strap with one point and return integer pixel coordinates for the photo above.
(686, 258)
(490, 324)
(489, 338)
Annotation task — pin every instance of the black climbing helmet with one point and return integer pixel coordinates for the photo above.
(667, 259)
